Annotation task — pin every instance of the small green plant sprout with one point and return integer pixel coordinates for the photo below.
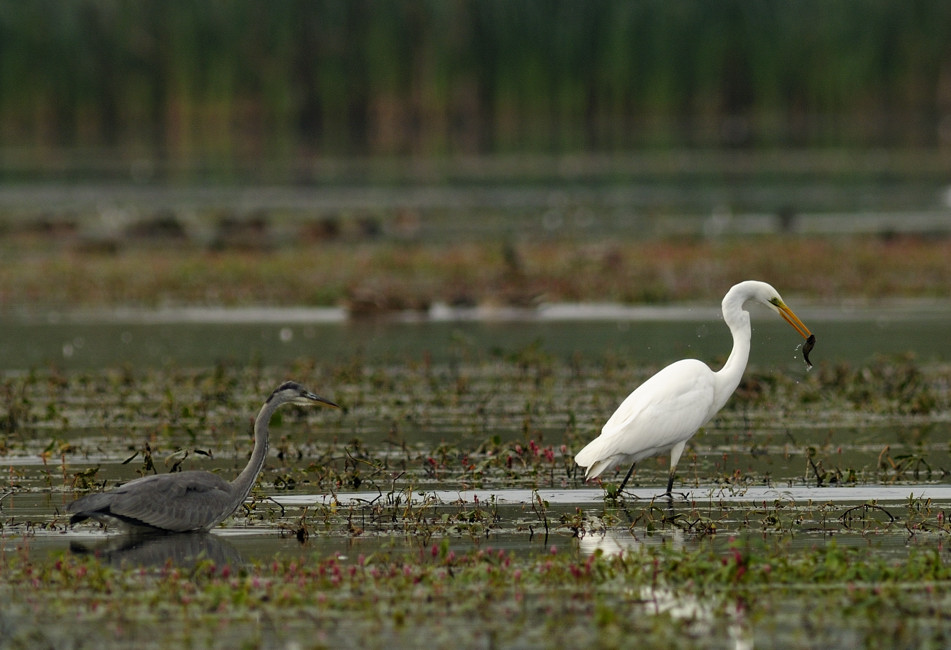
(85, 479)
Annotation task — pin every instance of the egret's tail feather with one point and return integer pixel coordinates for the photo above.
(589, 458)
(595, 469)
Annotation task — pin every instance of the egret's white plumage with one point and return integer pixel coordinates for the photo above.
(664, 412)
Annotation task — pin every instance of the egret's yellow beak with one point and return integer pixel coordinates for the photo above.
(793, 320)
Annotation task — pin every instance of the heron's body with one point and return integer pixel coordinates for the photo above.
(189, 501)
(664, 412)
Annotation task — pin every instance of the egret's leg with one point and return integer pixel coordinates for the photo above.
(675, 453)
(624, 482)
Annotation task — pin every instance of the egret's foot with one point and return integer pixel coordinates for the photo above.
(616, 493)
(612, 492)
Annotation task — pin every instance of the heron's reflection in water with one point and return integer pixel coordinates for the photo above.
(159, 549)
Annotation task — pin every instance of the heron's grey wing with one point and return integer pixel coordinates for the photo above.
(178, 502)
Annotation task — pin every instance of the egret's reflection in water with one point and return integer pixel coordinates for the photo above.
(158, 549)
(704, 615)
(615, 541)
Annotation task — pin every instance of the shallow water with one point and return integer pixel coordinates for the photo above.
(32, 521)
(647, 335)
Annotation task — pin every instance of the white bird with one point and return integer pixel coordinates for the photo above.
(664, 412)
(189, 501)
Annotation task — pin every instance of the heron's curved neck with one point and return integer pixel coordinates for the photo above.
(245, 481)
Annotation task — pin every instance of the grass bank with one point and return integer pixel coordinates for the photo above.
(387, 275)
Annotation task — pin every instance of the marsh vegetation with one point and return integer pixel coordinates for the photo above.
(438, 504)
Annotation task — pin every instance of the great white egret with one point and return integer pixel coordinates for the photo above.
(189, 501)
(664, 412)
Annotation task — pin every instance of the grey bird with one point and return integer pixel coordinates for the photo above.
(189, 501)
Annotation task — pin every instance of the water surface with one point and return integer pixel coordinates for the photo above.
(648, 335)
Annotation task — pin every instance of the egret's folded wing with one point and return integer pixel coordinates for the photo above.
(666, 409)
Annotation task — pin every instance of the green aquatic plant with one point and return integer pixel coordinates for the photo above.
(84, 479)
(15, 406)
(899, 467)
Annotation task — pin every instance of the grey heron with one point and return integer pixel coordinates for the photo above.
(664, 412)
(189, 501)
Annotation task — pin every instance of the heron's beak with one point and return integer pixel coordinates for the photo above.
(317, 399)
(793, 320)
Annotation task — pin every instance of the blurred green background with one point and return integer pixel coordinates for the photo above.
(218, 85)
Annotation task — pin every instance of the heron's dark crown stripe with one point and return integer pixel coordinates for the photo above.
(287, 385)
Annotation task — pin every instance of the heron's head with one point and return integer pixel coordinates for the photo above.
(290, 392)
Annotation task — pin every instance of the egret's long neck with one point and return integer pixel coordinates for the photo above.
(729, 376)
(245, 481)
